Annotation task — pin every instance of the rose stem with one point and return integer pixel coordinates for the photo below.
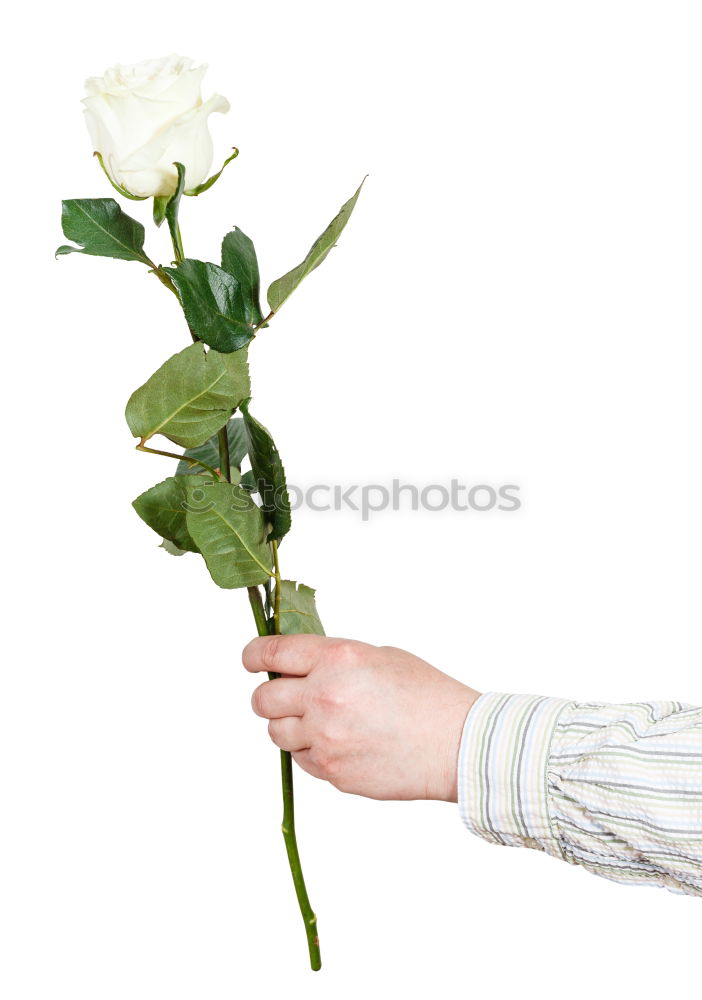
(288, 825)
(225, 468)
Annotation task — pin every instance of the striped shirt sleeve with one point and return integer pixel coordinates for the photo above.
(616, 789)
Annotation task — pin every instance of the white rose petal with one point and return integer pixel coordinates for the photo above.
(144, 118)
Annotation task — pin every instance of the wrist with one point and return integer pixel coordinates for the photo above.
(449, 733)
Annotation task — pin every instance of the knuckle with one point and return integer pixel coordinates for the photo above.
(330, 696)
(332, 737)
(333, 771)
(327, 764)
(319, 759)
(347, 653)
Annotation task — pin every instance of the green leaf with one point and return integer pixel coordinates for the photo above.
(248, 482)
(239, 259)
(283, 287)
(209, 451)
(102, 229)
(230, 532)
(213, 304)
(206, 185)
(190, 397)
(163, 507)
(298, 611)
(118, 187)
(269, 474)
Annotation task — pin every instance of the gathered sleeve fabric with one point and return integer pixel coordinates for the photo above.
(614, 788)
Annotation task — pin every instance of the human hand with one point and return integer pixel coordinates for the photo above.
(371, 720)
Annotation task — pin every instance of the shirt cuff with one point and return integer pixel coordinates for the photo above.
(502, 770)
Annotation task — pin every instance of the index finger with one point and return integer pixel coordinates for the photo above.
(295, 655)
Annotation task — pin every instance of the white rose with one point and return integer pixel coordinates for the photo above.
(144, 118)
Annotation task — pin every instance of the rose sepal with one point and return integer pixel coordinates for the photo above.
(194, 192)
(160, 205)
(115, 185)
(166, 206)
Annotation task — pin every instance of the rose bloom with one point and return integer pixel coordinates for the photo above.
(144, 118)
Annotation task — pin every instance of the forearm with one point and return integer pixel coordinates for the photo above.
(616, 789)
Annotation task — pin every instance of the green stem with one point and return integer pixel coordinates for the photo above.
(164, 278)
(181, 458)
(265, 320)
(288, 824)
(288, 828)
(225, 467)
(276, 599)
(177, 241)
(258, 610)
(172, 210)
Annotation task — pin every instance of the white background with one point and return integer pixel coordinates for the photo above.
(517, 299)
